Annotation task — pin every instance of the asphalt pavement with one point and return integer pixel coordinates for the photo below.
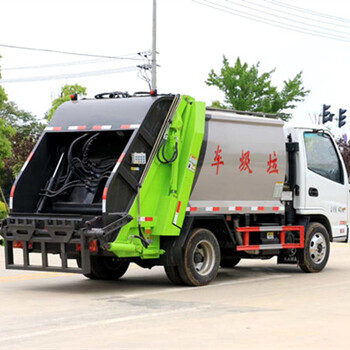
(256, 305)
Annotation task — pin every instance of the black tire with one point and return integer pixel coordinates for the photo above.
(314, 256)
(107, 268)
(201, 258)
(230, 263)
(173, 274)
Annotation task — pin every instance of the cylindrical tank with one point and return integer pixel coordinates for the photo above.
(242, 166)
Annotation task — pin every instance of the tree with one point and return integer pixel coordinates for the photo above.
(3, 96)
(6, 132)
(66, 92)
(246, 89)
(344, 147)
(19, 131)
(26, 130)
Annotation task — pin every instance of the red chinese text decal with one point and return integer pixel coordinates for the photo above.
(272, 164)
(218, 160)
(245, 161)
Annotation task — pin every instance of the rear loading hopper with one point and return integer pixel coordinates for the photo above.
(106, 178)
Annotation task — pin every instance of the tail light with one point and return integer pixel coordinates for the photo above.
(19, 244)
(93, 246)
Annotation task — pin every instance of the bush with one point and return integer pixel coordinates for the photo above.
(3, 211)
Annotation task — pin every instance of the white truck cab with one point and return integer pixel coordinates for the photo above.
(322, 189)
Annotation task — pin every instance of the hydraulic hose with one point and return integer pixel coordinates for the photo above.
(162, 150)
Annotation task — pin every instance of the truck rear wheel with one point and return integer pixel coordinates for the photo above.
(314, 256)
(107, 268)
(173, 274)
(201, 258)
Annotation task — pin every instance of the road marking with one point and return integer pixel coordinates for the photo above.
(101, 323)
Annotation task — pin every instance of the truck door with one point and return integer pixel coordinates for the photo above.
(326, 182)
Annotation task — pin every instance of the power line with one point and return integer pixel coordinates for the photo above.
(62, 64)
(124, 57)
(304, 10)
(273, 23)
(318, 20)
(71, 75)
(288, 19)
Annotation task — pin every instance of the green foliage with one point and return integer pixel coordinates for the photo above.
(26, 130)
(3, 96)
(6, 132)
(218, 104)
(66, 92)
(24, 122)
(344, 147)
(3, 211)
(19, 131)
(246, 89)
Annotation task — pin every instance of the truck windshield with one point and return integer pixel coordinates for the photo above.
(322, 157)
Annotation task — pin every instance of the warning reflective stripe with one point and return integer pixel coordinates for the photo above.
(146, 218)
(130, 126)
(120, 159)
(12, 191)
(77, 127)
(11, 196)
(212, 208)
(101, 127)
(192, 209)
(176, 216)
(27, 161)
(235, 208)
(115, 168)
(104, 198)
(53, 128)
(258, 208)
(178, 207)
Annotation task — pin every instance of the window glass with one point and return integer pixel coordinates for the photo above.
(322, 157)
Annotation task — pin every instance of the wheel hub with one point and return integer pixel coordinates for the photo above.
(203, 258)
(318, 248)
(198, 258)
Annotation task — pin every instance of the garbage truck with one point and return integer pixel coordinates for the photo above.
(162, 180)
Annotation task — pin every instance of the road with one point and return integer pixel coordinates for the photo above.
(257, 305)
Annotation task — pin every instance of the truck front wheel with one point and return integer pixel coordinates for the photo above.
(107, 268)
(314, 256)
(201, 258)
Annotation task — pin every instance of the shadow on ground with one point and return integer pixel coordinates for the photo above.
(140, 280)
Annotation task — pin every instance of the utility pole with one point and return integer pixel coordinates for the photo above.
(154, 47)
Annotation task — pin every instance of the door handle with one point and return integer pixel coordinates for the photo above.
(313, 192)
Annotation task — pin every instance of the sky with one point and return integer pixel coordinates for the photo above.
(192, 37)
